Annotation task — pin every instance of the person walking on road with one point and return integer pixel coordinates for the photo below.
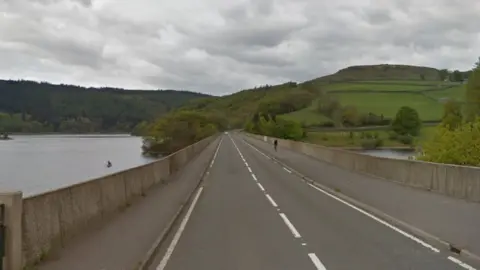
(275, 144)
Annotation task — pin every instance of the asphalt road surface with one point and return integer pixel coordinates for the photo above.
(252, 213)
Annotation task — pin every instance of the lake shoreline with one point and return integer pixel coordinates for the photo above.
(68, 133)
(394, 148)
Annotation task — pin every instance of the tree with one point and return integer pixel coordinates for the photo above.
(452, 115)
(351, 116)
(477, 64)
(443, 74)
(473, 96)
(460, 146)
(177, 130)
(79, 108)
(141, 129)
(407, 122)
(457, 76)
(279, 128)
(422, 77)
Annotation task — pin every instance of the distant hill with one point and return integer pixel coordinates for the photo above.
(28, 106)
(382, 72)
(238, 107)
(372, 89)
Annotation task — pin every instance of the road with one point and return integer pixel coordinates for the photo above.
(251, 213)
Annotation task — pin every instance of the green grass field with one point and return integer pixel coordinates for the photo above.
(307, 116)
(377, 87)
(419, 83)
(429, 104)
(456, 93)
(389, 104)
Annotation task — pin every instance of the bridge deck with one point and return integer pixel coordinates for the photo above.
(252, 213)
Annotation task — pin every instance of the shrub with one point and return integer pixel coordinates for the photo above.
(405, 139)
(370, 144)
(392, 136)
(407, 122)
(460, 146)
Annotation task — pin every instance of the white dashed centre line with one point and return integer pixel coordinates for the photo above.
(316, 261)
(313, 257)
(261, 187)
(290, 226)
(271, 201)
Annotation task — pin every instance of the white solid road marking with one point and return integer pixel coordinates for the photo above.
(378, 220)
(179, 232)
(287, 170)
(290, 226)
(316, 261)
(260, 186)
(216, 152)
(462, 264)
(367, 214)
(271, 200)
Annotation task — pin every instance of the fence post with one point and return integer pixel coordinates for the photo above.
(12, 221)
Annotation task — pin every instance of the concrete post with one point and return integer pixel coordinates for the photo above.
(13, 202)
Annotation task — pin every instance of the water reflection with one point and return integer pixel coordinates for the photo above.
(390, 153)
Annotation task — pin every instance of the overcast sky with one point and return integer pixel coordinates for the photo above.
(220, 46)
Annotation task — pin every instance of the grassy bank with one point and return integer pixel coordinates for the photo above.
(353, 139)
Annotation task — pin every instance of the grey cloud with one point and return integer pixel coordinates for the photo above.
(239, 12)
(263, 7)
(68, 51)
(261, 36)
(86, 3)
(218, 46)
(377, 16)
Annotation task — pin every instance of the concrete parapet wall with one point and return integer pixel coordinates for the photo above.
(50, 220)
(461, 182)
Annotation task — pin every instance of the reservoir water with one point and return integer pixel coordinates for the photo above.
(390, 153)
(39, 163)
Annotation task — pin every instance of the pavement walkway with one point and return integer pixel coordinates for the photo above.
(452, 220)
(122, 243)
